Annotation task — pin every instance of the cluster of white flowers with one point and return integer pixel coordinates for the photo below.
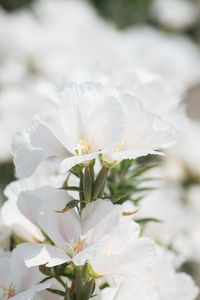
(58, 37)
(85, 103)
(175, 14)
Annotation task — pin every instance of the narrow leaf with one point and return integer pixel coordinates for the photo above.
(147, 220)
(68, 206)
(57, 292)
(70, 188)
(130, 213)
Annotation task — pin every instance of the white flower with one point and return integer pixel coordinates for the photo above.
(10, 214)
(175, 14)
(155, 93)
(91, 120)
(129, 289)
(143, 134)
(171, 285)
(174, 57)
(18, 282)
(18, 104)
(163, 283)
(186, 151)
(165, 204)
(102, 235)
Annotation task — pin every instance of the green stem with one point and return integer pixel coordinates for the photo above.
(67, 296)
(81, 195)
(61, 281)
(88, 290)
(78, 284)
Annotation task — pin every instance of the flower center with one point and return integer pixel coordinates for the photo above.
(82, 147)
(78, 246)
(120, 147)
(9, 292)
(108, 253)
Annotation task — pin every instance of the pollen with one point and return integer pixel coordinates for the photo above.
(79, 246)
(107, 253)
(83, 147)
(9, 292)
(120, 146)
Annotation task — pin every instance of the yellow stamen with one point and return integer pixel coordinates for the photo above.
(107, 253)
(79, 246)
(9, 292)
(120, 147)
(83, 147)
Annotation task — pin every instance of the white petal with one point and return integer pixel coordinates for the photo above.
(70, 162)
(40, 254)
(47, 134)
(144, 131)
(19, 224)
(136, 289)
(86, 255)
(29, 294)
(5, 272)
(62, 228)
(119, 156)
(32, 146)
(26, 157)
(93, 213)
(90, 112)
(136, 260)
(106, 223)
(27, 277)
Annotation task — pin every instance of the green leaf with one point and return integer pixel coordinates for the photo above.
(144, 221)
(87, 185)
(71, 188)
(68, 206)
(15, 241)
(45, 279)
(57, 292)
(99, 184)
(141, 169)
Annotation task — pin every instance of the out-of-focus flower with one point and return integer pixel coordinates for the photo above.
(165, 204)
(163, 283)
(17, 281)
(186, 153)
(17, 107)
(174, 57)
(5, 233)
(175, 14)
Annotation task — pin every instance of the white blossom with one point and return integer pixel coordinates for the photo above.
(101, 235)
(18, 282)
(91, 120)
(175, 14)
(174, 57)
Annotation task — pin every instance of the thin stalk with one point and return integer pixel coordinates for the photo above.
(61, 281)
(81, 195)
(78, 284)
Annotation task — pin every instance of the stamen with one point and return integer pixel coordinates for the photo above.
(8, 292)
(107, 253)
(120, 147)
(78, 247)
(83, 147)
